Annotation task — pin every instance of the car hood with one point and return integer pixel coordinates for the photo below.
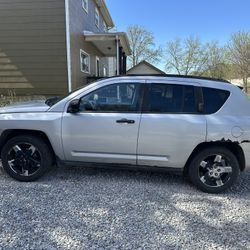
(23, 107)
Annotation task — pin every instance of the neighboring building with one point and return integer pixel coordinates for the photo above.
(145, 68)
(52, 47)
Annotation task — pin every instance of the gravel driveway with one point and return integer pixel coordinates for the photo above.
(78, 208)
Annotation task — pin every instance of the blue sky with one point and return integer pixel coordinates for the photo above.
(167, 19)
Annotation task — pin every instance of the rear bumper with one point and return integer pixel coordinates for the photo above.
(246, 149)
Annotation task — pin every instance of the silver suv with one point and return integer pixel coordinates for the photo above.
(195, 125)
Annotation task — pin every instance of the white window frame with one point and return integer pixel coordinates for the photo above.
(97, 17)
(87, 5)
(86, 54)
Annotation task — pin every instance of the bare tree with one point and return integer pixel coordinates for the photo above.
(216, 65)
(142, 45)
(174, 56)
(187, 56)
(239, 53)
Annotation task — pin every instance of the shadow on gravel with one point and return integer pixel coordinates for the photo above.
(79, 208)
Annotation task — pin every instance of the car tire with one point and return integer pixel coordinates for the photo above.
(26, 158)
(213, 170)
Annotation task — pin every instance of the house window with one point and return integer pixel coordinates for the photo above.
(85, 5)
(97, 17)
(85, 62)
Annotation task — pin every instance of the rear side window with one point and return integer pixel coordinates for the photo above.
(214, 99)
(169, 98)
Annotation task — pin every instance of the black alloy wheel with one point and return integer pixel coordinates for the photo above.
(26, 158)
(214, 170)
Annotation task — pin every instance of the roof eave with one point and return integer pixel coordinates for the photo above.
(122, 36)
(125, 43)
(105, 13)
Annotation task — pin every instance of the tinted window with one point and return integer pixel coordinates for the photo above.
(169, 98)
(214, 99)
(116, 98)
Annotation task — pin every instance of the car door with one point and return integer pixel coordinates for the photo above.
(106, 127)
(171, 124)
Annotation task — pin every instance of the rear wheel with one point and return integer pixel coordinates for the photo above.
(26, 158)
(214, 170)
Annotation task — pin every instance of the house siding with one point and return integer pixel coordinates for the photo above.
(80, 20)
(33, 54)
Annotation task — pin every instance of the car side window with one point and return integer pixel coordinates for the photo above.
(170, 98)
(214, 99)
(122, 97)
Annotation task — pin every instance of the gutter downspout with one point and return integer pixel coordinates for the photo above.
(68, 46)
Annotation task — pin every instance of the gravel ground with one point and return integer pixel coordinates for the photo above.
(78, 208)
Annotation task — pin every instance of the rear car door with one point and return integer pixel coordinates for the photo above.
(171, 124)
(106, 127)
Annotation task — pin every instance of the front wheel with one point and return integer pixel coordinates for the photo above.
(26, 158)
(214, 170)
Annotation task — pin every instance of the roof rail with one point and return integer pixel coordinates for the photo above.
(182, 76)
(168, 75)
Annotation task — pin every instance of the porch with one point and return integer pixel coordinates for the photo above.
(115, 47)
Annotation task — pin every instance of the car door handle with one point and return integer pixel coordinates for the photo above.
(126, 121)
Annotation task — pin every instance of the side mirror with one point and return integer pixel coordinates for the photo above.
(73, 107)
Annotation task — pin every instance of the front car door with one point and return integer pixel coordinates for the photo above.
(106, 127)
(171, 124)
